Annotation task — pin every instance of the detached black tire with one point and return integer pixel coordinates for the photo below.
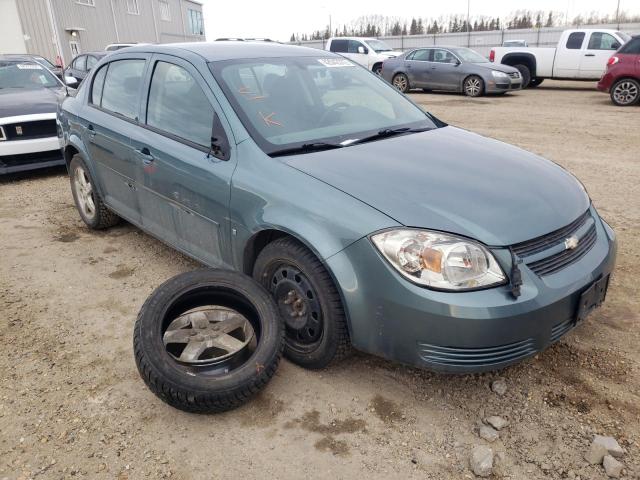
(92, 210)
(525, 73)
(315, 325)
(206, 341)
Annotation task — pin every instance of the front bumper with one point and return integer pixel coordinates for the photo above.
(506, 85)
(465, 331)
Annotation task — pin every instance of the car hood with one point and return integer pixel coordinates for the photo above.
(26, 101)
(498, 66)
(456, 181)
(389, 54)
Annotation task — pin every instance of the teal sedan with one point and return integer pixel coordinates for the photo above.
(372, 223)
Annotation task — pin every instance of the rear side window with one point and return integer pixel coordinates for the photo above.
(632, 46)
(98, 84)
(574, 42)
(80, 63)
(602, 41)
(174, 96)
(121, 89)
(340, 46)
(421, 55)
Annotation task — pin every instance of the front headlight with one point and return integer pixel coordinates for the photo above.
(497, 74)
(439, 260)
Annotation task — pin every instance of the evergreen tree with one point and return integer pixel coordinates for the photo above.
(549, 20)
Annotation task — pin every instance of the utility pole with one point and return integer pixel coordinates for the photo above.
(468, 26)
(618, 14)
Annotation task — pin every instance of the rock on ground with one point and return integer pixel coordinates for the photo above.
(488, 433)
(612, 467)
(611, 444)
(499, 386)
(496, 422)
(481, 461)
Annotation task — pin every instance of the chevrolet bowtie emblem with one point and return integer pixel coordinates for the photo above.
(18, 130)
(571, 243)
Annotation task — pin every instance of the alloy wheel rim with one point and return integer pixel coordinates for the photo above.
(472, 87)
(625, 93)
(84, 192)
(400, 82)
(207, 335)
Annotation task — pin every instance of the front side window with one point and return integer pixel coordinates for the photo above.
(443, 56)
(165, 10)
(19, 74)
(632, 46)
(291, 101)
(132, 7)
(121, 89)
(602, 41)
(174, 96)
(196, 25)
(339, 46)
(354, 45)
(574, 42)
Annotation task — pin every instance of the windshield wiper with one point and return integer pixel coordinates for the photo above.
(305, 148)
(390, 132)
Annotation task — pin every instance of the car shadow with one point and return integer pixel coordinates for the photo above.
(34, 174)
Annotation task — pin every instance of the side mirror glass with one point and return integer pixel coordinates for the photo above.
(70, 81)
(361, 49)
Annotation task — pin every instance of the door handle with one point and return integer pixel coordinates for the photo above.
(589, 54)
(145, 154)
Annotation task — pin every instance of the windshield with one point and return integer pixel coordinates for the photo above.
(20, 74)
(46, 62)
(291, 101)
(468, 55)
(379, 46)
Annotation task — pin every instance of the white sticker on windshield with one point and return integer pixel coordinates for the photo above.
(28, 66)
(336, 62)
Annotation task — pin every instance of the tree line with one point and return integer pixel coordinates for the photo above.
(381, 25)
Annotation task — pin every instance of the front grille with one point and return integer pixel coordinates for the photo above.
(28, 158)
(470, 357)
(30, 130)
(514, 75)
(559, 330)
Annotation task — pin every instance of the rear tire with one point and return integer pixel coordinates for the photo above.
(90, 206)
(535, 81)
(625, 92)
(377, 69)
(473, 86)
(401, 82)
(315, 325)
(525, 73)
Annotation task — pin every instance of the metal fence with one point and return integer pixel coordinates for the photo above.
(482, 42)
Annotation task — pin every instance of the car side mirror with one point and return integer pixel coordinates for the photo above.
(220, 147)
(70, 81)
(363, 50)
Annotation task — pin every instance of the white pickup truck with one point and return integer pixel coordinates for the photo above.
(368, 52)
(581, 54)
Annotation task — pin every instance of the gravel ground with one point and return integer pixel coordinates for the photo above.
(72, 404)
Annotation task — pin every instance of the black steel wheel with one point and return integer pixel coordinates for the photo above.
(206, 341)
(308, 302)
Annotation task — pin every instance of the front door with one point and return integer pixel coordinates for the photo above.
(445, 71)
(183, 189)
(111, 115)
(600, 47)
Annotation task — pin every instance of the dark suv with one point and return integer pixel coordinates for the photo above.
(622, 76)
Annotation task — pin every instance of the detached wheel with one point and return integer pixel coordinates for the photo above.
(401, 82)
(92, 209)
(473, 86)
(206, 341)
(525, 73)
(625, 92)
(308, 301)
(534, 82)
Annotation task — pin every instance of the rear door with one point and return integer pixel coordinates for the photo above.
(111, 115)
(445, 72)
(183, 189)
(418, 67)
(600, 46)
(569, 55)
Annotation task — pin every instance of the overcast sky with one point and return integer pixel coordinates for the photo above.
(278, 19)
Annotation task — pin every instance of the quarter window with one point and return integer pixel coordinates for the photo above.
(602, 41)
(165, 10)
(132, 7)
(122, 87)
(574, 42)
(177, 105)
(98, 84)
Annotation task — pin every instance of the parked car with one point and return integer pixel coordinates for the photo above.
(581, 54)
(368, 52)
(515, 43)
(77, 70)
(55, 69)
(112, 47)
(29, 95)
(371, 222)
(456, 69)
(622, 76)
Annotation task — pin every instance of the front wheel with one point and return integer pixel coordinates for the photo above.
(525, 73)
(401, 82)
(90, 206)
(473, 86)
(315, 324)
(625, 92)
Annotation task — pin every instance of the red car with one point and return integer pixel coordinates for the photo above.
(622, 76)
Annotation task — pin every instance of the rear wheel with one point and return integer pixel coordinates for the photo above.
(377, 69)
(473, 86)
(525, 73)
(535, 81)
(308, 301)
(401, 82)
(625, 92)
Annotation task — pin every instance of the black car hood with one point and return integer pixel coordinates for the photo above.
(456, 181)
(27, 101)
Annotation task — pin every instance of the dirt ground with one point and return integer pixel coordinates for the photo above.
(72, 404)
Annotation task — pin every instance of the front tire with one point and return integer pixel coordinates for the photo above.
(534, 82)
(625, 92)
(315, 324)
(473, 86)
(525, 73)
(401, 82)
(92, 210)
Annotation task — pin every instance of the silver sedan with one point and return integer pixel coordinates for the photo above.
(455, 69)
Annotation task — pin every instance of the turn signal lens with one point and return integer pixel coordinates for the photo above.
(613, 60)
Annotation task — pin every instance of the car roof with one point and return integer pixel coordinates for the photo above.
(99, 54)
(17, 57)
(230, 50)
